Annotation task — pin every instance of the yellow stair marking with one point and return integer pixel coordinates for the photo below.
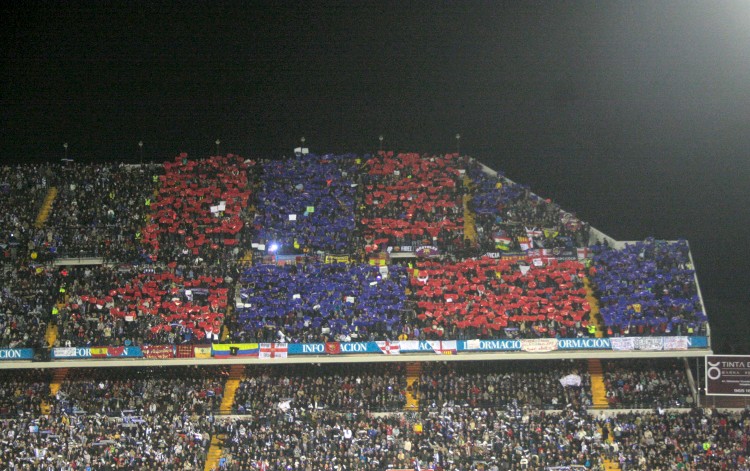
(57, 379)
(470, 227)
(54, 386)
(51, 335)
(214, 453)
(44, 211)
(413, 373)
(236, 374)
(247, 259)
(609, 465)
(598, 390)
(595, 316)
(224, 329)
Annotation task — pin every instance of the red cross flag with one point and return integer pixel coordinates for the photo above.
(389, 348)
(273, 350)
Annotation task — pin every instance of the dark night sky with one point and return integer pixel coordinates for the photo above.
(633, 114)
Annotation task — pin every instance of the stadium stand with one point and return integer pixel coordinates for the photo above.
(509, 217)
(501, 384)
(406, 250)
(647, 288)
(200, 210)
(493, 298)
(308, 204)
(100, 210)
(413, 201)
(29, 293)
(139, 305)
(23, 190)
(320, 302)
(348, 387)
(647, 384)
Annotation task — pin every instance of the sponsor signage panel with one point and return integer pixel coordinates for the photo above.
(728, 375)
(97, 352)
(442, 347)
(16, 354)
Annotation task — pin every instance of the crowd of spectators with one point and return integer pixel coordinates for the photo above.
(28, 293)
(73, 442)
(345, 387)
(702, 439)
(100, 210)
(155, 392)
(509, 217)
(144, 304)
(22, 392)
(410, 200)
(113, 418)
(453, 438)
(307, 204)
(502, 415)
(200, 212)
(192, 221)
(22, 192)
(648, 288)
(319, 302)
(500, 298)
(500, 384)
(646, 384)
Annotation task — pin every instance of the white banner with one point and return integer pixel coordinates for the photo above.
(571, 380)
(622, 343)
(675, 343)
(649, 343)
(64, 352)
(538, 345)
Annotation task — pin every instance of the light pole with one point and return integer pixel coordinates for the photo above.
(217, 146)
(380, 138)
(458, 143)
(65, 146)
(140, 150)
(302, 147)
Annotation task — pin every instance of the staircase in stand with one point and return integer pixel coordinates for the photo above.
(224, 329)
(51, 335)
(247, 259)
(54, 386)
(215, 451)
(610, 465)
(236, 375)
(413, 373)
(595, 315)
(598, 390)
(470, 227)
(44, 211)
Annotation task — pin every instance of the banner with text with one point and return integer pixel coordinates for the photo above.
(16, 354)
(728, 375)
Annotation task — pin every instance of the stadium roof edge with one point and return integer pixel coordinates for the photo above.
(595, 233)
